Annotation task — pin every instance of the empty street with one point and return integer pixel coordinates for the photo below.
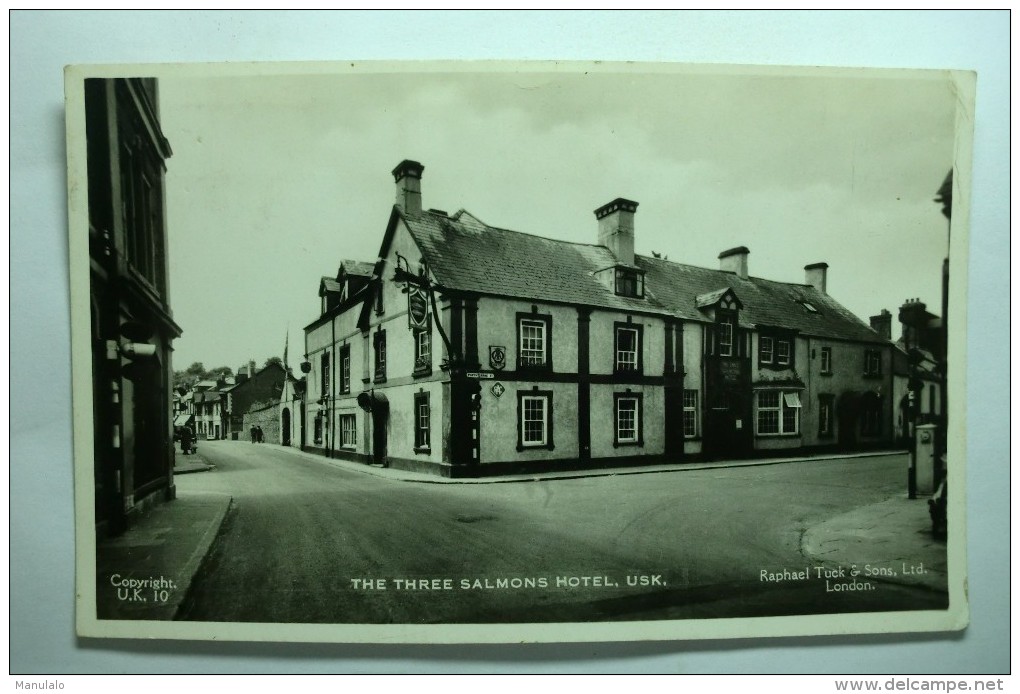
(309, 540)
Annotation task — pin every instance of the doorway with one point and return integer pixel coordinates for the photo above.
(380, 418)
(285, 426)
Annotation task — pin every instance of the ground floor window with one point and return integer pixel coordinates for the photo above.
(534, 420)
(318, 427)
(348, 430)
(422, 421)
(627, 417)
(690, 414)
(778, 412)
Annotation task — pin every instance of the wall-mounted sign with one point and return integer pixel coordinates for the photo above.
(479, 374)
(417, 308)
(497, 389)
(497, 357)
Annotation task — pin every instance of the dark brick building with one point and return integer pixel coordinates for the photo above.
(260, 387)
(132, 324)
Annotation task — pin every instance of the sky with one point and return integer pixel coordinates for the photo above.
(276, 179)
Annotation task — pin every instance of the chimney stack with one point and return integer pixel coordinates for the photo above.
(408, 178)
(616, 228)
(735, 260)
(816, 275)
(882, 324)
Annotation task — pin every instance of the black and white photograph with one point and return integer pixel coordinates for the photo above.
(502, 352)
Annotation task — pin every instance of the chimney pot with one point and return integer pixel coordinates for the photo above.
(407, 176)
(735, 260)
(616, 228)
(817, 275)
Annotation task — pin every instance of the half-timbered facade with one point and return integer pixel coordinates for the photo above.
(468, 349)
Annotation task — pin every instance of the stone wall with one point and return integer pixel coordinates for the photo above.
(265, 415)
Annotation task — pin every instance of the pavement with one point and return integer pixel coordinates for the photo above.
(184, 464)
(167, 545)
(145, 572)
(892, 533)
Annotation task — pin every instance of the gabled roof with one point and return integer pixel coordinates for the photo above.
(355, 268)
(466, 254)
(765, 302)
(713, 298)
(328, 284)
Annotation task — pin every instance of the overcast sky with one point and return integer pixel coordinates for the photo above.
(276, 179)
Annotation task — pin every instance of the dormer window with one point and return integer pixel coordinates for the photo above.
(630, 282)
(726, 339)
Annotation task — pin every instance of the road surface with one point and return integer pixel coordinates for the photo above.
(310, 541)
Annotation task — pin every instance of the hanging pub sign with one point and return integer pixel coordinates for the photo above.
(417, 308)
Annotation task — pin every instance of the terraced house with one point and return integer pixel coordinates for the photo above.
(468, 349)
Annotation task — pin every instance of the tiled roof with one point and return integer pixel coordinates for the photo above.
(465, 253)
(765, 302)
(328, 284)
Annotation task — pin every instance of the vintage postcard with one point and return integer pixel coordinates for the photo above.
(509, 352)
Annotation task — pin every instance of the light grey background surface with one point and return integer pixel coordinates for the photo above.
(41, 514)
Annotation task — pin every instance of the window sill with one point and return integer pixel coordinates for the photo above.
(777, 436)
(426, 450)
(538, 368)
(419, 373)
(873, 377)
(628, 444)
(827, 374)
(380, 379)
(535, 447)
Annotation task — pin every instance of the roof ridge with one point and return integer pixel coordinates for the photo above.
(512, 231)
(727, 272)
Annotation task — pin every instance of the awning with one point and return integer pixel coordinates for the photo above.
(183, 420)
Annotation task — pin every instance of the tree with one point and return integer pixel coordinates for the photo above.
(273, 360)
(197, 372)
(218, 373)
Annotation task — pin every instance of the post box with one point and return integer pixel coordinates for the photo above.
(924, 458)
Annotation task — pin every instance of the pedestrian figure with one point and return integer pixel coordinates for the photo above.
(259, 433)
(187, 440)
(254, 435)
